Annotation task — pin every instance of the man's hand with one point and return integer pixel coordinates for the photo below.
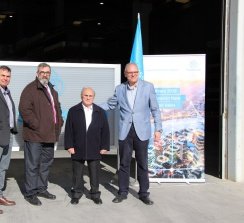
(157, 141)
(71, 150)
(103, 151)
(157, 136)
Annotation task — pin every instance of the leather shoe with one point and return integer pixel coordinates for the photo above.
(119, 199)
(146, 200)
(47, 195)
(74, 201)
(97, 200)
(33, 199)
(6, 202)
(1, 211)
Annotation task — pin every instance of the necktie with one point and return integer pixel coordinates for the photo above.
(52, 103)
(10, 107)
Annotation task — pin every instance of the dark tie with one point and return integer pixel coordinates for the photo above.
(6, 92)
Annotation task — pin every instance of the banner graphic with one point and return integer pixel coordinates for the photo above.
(179, 82)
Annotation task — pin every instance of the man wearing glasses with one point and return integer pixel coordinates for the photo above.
(136, 100)
(42, 121)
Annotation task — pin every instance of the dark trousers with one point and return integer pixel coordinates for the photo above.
(78, 181)
(38, 159)
(126, 147)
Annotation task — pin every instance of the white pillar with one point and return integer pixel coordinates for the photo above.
(235, 116)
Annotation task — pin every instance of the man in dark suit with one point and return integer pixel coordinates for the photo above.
(7, 126)
(136, 100)
(86, 138)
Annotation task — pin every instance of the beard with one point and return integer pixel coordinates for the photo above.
(44, 81)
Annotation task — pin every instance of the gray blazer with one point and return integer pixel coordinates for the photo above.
(145, 104)
(4, 121)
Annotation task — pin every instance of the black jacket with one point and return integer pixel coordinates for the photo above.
(88, 143)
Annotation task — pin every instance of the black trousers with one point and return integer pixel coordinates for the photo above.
(126, 147)
(38, 159)
(78, 180)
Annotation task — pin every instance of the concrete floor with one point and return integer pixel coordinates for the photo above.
(215, 200)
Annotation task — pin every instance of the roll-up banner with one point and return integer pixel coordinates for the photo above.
(179, 82)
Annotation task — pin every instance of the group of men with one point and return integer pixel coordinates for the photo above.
(87, 135)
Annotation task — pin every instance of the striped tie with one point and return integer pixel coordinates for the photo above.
(52, 102)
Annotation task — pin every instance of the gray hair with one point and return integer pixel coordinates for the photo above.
(43, 65)
(128, 64)
(85, 88)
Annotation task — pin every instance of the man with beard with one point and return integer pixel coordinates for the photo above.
(42, 121)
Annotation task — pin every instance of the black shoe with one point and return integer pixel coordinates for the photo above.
(33, 199)
(46, 195)
(146, 200)
(119, 199)
(74, 201)
(97, 200)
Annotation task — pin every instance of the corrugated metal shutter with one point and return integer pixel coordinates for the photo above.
(68, 79)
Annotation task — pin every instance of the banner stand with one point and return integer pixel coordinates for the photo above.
(179, 82)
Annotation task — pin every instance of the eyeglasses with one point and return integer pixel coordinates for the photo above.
(45, 72)
(132, 72)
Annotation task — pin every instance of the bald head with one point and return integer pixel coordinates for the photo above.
(87, 96)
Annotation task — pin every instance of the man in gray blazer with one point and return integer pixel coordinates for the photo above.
(136, 100)
(7, 126)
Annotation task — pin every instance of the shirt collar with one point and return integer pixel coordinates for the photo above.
(133, 87)
(5, 91)
(87, 108)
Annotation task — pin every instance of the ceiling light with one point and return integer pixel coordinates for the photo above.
(101, 3)
(77, 23)
(183, 1)
(2, 16)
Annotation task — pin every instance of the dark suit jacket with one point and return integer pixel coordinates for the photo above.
(4, 121)
(88, 143)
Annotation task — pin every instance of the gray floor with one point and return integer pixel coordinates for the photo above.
(213, 201)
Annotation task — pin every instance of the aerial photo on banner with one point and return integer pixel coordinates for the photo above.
(179, 82)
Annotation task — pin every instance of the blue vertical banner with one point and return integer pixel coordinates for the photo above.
(137, 50)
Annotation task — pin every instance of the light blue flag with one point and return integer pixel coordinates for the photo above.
(137, 51)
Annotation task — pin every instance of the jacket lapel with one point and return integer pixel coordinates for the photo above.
(125, 94)
(13, 106)
(138, 93)
(2, 98)
(94, 115)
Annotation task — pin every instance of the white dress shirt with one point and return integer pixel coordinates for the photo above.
(131, 94)
(88, 115)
